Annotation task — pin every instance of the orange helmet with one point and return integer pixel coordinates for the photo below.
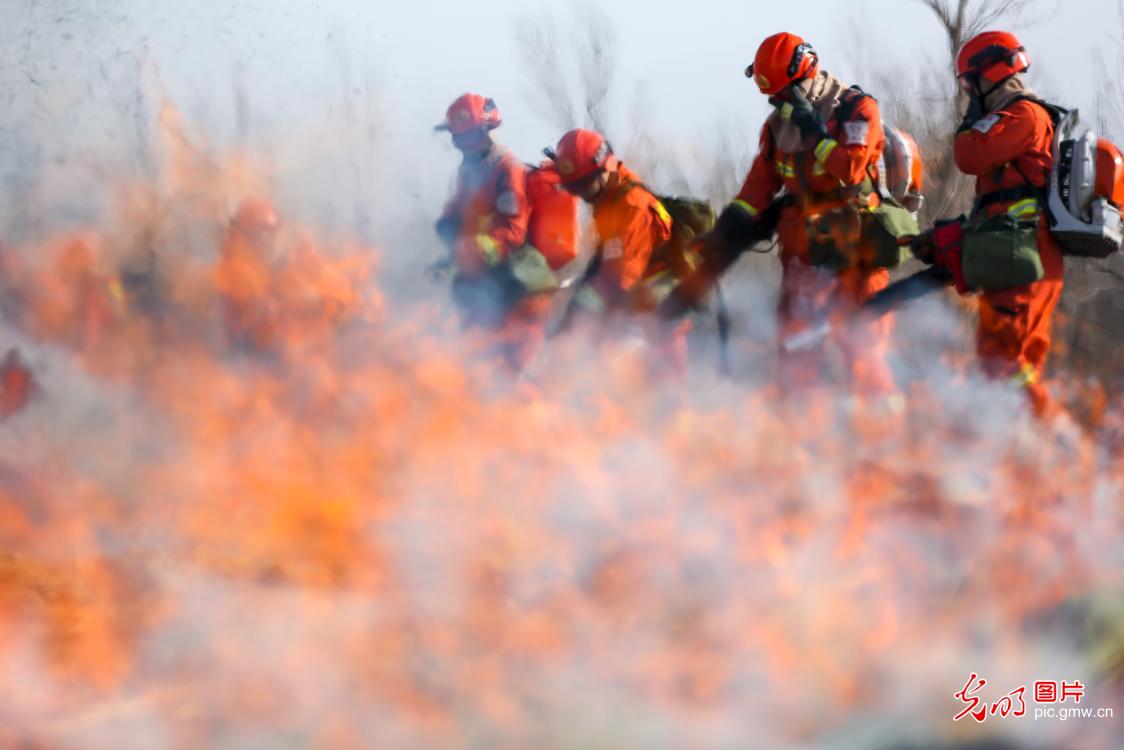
(255, 216)
(1110, 173)
(917, 166)
(580, 154)
(468, 112)
(993, 56)
(781, 60)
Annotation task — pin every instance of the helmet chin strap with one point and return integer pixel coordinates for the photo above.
(994, 87)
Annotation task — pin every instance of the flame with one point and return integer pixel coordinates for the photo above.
(287, 510)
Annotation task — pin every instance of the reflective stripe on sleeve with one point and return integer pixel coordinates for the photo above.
(488, 249)
(1027, 375)
(745, 207)
(824, 149)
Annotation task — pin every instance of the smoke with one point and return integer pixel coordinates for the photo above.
(367, 536)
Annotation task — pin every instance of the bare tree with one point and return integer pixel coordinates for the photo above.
(551, 58)
(1110, 102)
(963, 19)
(539, 43)
(595, 47)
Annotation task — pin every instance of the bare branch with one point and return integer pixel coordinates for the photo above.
(595, 49)
(963, 19)
(539, 46)
(549, 59)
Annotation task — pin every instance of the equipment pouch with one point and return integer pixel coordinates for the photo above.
(833, 238)
(486, 299)
(882, 230)
(531, 270)
(1001, 252)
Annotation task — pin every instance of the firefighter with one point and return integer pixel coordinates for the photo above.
(632, 226)
(1005, 141)
(244, 276)
(483, 226)
(821, 145)
(17, 384)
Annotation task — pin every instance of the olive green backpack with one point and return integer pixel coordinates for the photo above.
(881, 229)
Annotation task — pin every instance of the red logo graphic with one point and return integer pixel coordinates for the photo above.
(1014, 703)
(1005, 705)
(1075, 691)
(969, 697)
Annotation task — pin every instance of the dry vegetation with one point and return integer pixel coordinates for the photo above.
(924, 100)
(1091, 315)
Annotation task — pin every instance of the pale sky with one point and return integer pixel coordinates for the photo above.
(690, 55)
(304, 63)
(686, 57)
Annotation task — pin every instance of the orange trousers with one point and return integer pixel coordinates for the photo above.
(808, 294)
(1013, 338)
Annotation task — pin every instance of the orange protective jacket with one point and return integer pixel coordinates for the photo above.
(491, 209)
(1004, 150)
(631, 223)
(818, 177)
(243, 278)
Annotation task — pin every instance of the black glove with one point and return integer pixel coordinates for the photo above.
(801, 114)
(973, 114)
(923, 248)
(713, 255)
(737, 228)
(710, 246)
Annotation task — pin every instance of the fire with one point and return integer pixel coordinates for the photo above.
(282, 511)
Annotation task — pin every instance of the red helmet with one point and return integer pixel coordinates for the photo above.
(580, 154)
(781, 60)
(255, 216)
(993, 56)
(468, 112)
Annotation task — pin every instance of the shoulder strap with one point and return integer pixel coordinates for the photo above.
(845, 110)
(848, 103)
(1056, 113)
(627, 187)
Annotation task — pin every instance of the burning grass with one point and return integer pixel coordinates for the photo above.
(349, 531)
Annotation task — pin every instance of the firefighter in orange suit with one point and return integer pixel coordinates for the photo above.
(1005, 141)
(631, 225)
(484, 222)
(822, 146)
(244, 276)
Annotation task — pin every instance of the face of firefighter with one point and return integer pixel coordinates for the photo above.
(475, 142)
(795, 92)
(589, 188)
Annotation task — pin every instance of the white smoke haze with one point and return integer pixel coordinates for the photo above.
(371, 538)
